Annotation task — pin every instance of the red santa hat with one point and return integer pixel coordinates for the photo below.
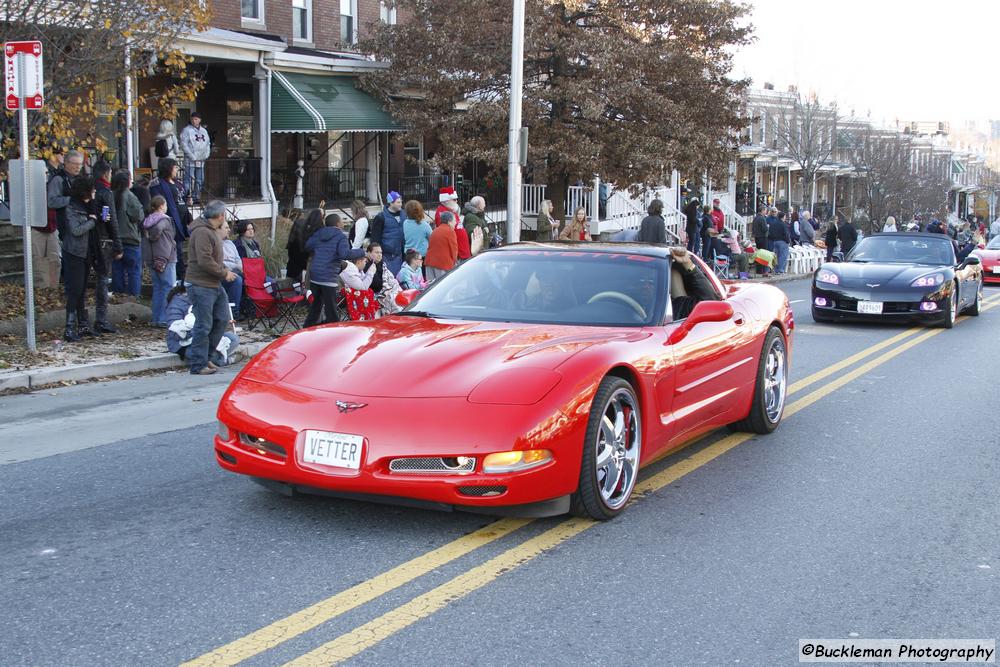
(447, 194)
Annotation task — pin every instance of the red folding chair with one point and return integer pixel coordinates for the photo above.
(270, 303)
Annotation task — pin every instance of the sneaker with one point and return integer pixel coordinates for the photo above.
(104, 328)
(207, 370)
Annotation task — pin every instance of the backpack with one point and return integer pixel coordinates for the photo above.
(160, 149)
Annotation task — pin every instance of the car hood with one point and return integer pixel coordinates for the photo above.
(987, 255)
(867, 274)
(411, 357)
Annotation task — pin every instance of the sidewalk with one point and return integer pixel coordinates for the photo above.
(136, 349)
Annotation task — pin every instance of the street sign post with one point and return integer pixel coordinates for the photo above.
(24, 89)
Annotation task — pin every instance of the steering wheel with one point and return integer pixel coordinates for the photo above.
(618, 296)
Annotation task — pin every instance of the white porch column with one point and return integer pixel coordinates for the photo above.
(129, 115)
(595, 200)
(833, 199)
(371, 171)
(262, 77)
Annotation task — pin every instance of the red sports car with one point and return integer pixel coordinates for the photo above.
(990, 257)
(535, 379)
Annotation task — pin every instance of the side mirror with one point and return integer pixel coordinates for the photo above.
(406, 297)
(972, 260)
(838, 256)
(704, 311)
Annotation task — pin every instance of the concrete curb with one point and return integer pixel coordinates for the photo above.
(102, 369)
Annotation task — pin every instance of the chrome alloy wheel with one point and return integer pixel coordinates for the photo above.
(618, 442)
(775, 380)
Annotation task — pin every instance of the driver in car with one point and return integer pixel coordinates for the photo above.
(696, 284)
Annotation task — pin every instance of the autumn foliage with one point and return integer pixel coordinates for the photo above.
(627, 90)
(84, 55)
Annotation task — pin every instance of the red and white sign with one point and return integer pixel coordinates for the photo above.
(31, 89)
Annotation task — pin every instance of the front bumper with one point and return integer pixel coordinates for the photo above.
(897, 306)
(399, 428)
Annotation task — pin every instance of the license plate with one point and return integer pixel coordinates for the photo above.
(337, 450)
(870, 307)
(996, 269)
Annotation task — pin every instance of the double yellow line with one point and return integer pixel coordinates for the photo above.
(386, 625)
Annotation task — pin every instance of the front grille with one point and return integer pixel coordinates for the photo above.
(266, 445)
(432, 465)
(482, 491)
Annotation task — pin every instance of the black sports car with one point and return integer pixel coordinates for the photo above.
(899, 277)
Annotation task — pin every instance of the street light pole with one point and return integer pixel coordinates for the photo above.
(514, 130)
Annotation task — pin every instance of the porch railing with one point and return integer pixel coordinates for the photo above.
(422, 188)
(232, 179)
(335, 186)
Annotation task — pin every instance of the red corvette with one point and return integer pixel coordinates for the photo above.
(532, 380)
(990, 257)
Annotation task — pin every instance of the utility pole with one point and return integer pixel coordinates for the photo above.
(514, 130)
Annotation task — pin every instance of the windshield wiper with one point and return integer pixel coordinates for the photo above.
(416, 313)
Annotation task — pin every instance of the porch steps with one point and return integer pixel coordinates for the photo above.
(11, 257)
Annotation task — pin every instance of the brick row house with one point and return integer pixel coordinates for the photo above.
(280, 95)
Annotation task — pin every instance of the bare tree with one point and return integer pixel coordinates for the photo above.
(806, 132)
(883, 160)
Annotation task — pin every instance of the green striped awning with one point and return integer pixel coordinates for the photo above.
(316, 103)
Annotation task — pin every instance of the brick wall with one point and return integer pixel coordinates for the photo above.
(278, 19)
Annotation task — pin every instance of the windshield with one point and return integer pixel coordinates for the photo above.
(903, 250)
(994, 243)
(550, 287)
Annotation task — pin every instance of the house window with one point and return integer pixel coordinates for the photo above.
(302, 20)
(252, 11)
(387, 13)
(348, 26)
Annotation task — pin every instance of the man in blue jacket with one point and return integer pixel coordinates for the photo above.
(329, 247)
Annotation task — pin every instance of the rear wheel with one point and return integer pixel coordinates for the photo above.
(611, 451)
(770, 389)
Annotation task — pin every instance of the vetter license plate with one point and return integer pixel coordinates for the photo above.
(337, 450)
(870, 307)
(996, 269)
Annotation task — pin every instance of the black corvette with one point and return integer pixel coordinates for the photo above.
(898, 277)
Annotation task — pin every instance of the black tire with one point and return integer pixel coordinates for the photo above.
(949, 319)
(588, 500)
(761, 420)
(977, 306)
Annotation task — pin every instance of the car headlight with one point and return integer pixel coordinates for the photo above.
(827, 277)
(500, 462)
(930, 280)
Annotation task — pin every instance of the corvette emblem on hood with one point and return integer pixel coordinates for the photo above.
(346, 406)
(873, 284)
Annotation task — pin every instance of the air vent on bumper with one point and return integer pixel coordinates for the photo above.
(433, 465)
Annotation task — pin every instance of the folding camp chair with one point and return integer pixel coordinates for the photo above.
(268, 302)
(720, 263)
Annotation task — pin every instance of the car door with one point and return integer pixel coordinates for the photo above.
(712, 367)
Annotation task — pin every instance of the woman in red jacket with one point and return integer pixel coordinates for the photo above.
(442, 249)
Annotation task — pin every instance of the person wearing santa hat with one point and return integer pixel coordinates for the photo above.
(449, 203)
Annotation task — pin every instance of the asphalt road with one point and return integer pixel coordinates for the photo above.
(871, 512)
